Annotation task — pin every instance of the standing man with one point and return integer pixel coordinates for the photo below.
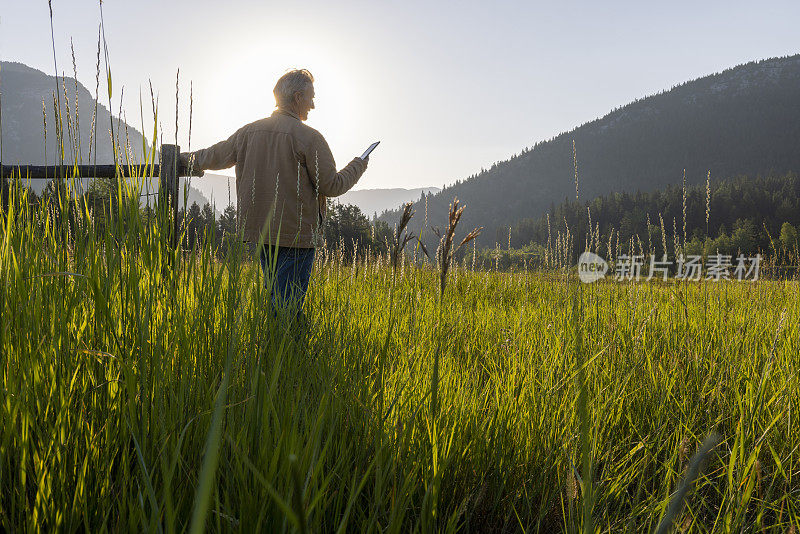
(284, 172)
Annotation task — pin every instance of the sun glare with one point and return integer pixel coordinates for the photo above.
(242, 89)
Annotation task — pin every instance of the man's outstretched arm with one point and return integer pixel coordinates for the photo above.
(219, 156)
(331, 183)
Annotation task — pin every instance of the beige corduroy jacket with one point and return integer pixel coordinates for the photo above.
(284, 172)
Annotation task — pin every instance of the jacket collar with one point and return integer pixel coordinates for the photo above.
(286, 112)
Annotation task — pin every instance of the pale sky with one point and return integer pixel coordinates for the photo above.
(447, 87)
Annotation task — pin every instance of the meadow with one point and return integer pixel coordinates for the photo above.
(146, 388)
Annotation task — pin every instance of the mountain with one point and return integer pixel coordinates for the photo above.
(219, 188)
(28, 102)
(376, 201)
(742, 121)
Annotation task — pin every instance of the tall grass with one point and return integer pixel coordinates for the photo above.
(148, 389)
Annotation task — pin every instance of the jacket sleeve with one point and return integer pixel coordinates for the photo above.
(322, 169)
(219, 156)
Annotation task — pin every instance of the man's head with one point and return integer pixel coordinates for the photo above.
(295, 92)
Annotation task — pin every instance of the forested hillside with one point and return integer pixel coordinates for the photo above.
(743, 121)
(747, 215)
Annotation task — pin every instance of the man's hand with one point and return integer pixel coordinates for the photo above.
(187, 161)
(188, 165)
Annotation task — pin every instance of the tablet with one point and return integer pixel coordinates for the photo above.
(367, 152)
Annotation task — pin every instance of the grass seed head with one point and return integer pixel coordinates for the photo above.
(571, 486)
(445, 250)
(708, 199)
(684, 207)
(401, 240)
(575, 165)
(684, 451)
(759, 475)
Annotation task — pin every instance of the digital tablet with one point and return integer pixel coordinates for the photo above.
(367, 152)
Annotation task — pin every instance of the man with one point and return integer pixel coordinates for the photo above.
(284, 172)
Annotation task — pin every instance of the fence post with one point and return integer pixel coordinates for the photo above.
(168, 186)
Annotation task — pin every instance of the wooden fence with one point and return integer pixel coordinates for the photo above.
(169, 170)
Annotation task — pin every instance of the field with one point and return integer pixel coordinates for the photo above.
(149, 389)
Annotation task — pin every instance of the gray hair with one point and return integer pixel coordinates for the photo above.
(294, 81)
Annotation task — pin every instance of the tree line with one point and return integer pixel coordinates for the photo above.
(741, 215)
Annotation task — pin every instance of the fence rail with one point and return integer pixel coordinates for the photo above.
(168, 171)
(85, 171)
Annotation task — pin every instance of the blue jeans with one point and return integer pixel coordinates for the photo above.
(289, 282)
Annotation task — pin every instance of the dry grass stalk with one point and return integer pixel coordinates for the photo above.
(300, 202)
(548, 253)
(58, 122)
(77, 118)
(684, 207)
(676, 238)
(44, 119)
(92, 136)
(597, 236)
(474, 253)
(571, 486)
(708, 199)
(575, 165)
(177, 101)
(401, 240)
(590, 237)
(684, 453)
(68, 112)
(119, 123)
(446, 250)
